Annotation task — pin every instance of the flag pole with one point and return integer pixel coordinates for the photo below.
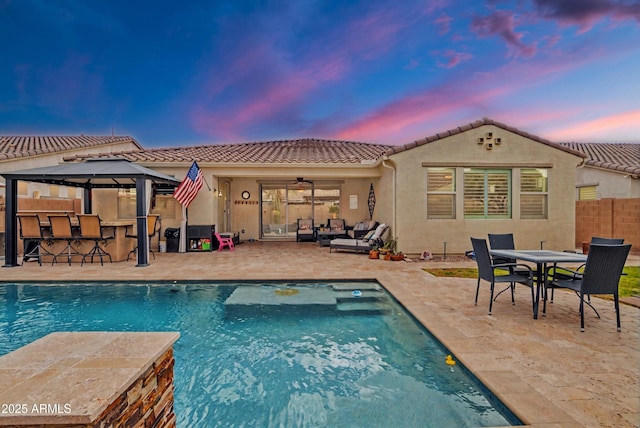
(203, 179)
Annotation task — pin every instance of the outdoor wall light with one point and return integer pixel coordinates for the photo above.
(218, 191)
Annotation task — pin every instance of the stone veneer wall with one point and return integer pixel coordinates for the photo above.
(148, 402)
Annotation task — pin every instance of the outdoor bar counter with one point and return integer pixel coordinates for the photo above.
(118, 248)
(90, 379)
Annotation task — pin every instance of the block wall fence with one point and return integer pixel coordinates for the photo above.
(609, 218)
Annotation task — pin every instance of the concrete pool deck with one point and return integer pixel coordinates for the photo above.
(546, 371)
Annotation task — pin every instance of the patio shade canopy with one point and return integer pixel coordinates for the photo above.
(92, 173)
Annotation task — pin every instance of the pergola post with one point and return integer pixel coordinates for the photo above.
(10, 223)
(87, 200)
(141, 223)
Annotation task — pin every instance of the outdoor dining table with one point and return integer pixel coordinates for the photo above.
(541, 258)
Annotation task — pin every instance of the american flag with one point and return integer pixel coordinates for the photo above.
(188, 189)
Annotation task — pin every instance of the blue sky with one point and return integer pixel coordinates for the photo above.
(199, 72)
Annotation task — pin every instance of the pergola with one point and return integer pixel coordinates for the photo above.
(90, 174)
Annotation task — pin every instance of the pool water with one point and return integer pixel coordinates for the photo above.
(287, 367)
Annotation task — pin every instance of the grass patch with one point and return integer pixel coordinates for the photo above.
(629, 283)
(454, 272)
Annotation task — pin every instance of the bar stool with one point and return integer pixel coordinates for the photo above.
(32, 235)
(61, 231)
(152, 222)
(91, 230)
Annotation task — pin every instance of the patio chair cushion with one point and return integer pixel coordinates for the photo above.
(337, 226)
(369, 224)
(360, 226)
(378, 231)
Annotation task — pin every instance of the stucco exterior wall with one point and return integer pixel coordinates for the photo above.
(207, 207)
(417, 233)
(609, 184)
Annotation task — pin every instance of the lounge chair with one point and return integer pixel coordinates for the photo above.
(361, 228)
(372, 239)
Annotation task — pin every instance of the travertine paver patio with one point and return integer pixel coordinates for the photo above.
(545, 370)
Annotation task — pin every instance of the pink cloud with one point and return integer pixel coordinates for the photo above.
(444, 23)
(624, 125)
(483, 94)
(503, 24)
(454, 58)
(408, 115)
(276, 87)
(587, 13)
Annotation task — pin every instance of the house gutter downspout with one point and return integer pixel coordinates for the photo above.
(388, 164)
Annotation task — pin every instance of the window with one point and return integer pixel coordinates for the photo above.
(163, 204)
(587, 193)
(533, 193)
(487, 193)
(441, 193)
(126, 203)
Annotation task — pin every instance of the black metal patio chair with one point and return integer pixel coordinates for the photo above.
(487, 271)
(601, 275)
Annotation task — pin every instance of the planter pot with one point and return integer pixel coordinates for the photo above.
(397, 257)
(374, 255)
(387, 256)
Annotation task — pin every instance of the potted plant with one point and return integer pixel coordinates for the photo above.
(374, 253)
(391, 246)
(334, 210)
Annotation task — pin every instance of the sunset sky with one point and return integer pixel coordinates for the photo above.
(174, 73)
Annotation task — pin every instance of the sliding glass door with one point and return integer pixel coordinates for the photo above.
(282, 204)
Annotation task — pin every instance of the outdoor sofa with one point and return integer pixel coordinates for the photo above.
(374, 238)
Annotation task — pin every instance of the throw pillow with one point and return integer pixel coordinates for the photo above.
(369, 235)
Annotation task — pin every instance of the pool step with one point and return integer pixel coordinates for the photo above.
(352, 298)
(364, 296)
(352, 286)
(363, 308)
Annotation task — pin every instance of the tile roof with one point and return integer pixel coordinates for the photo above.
(621, 157)
(477, 124)
(265, 152)
(20, 146)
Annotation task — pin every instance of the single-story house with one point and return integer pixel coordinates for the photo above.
(608, 192)
(434, 193)
(25, 152)
(612, 170)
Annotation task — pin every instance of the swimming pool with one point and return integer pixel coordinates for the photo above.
(362, 362)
